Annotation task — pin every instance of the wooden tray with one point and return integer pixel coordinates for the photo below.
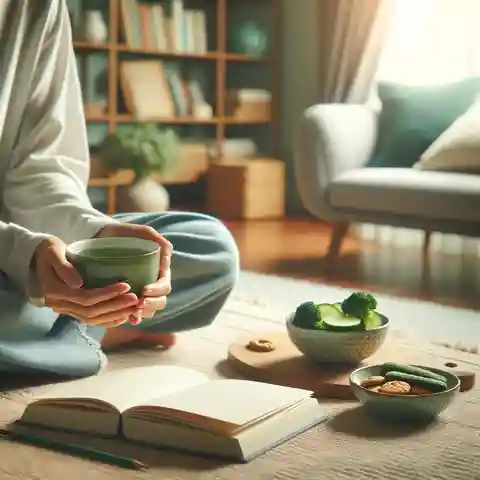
(285, 365)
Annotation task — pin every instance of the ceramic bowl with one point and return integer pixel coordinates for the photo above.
(337, 347)
(406, 407)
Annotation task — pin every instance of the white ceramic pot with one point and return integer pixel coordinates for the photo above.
(144, 195)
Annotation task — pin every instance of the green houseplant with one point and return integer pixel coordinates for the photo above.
(144, 149)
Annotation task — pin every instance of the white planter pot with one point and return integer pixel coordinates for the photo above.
(145, 195)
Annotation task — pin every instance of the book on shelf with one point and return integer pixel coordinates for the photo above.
(154, 89)
(165, 26)
(145, 89)
(179, 408)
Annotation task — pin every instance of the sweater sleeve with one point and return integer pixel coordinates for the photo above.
(46, 183)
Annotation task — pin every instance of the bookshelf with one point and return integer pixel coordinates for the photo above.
(217, 58)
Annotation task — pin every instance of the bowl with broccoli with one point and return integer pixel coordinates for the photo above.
(345, 332)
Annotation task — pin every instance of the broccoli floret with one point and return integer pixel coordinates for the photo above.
(359, 305)
(307, 316)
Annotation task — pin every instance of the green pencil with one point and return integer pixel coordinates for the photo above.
(80, 450)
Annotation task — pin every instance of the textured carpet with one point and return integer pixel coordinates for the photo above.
(349, 446)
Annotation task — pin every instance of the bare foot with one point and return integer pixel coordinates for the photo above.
(118, 337)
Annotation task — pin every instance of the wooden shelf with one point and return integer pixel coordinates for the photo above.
(118, 179)
(97, 118)
(176, 120)
(115, 49)
(84, 45)
(215, 55)
(237, 121)
(146, 51)
(238, 57)
(171, 121)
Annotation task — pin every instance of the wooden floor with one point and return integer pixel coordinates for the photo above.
(295, 248)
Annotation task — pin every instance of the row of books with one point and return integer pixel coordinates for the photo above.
(165, 26)
(153, 89)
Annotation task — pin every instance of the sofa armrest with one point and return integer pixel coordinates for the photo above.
(331, 139)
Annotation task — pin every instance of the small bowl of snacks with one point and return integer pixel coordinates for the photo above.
(346, 332)
(404, 392)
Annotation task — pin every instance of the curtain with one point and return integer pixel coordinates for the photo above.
(352, 33)
(429, 42)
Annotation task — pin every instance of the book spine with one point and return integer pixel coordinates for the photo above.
(178, 94)
(146, 32)
(160, 22)
(177, 25)
(134, 18)
(154, 28)
(125, 13)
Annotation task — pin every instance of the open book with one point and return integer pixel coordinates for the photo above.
(176, 407)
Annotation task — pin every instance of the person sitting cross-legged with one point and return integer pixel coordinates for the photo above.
(48, 321)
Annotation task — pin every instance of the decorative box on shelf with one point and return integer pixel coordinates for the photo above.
(248, 105)
(250, 189)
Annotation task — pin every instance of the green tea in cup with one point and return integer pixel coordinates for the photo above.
(104, 261)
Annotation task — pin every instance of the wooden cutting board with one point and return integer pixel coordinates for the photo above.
(285, 365)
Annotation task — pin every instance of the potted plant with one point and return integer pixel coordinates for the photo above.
(144, 149)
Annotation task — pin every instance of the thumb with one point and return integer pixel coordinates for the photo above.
(65, 270)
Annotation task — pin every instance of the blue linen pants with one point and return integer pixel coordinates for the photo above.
(205, 266)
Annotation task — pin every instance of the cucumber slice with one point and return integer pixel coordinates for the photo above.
(373, 320)
(338, 306)
(342, 323)
(329, 310)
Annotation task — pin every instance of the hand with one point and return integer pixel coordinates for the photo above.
(154, 296)
(61, 284)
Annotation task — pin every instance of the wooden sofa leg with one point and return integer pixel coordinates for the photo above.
(339, 233)
(426, 284)
(426, 246)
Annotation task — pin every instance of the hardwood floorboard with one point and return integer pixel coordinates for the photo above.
(295, 248)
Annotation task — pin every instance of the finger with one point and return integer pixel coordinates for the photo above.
(165, 263)
(108, 318)
(62, 267)
(148, 312)
(97, 310)
(115, 323)
(89, 297)
(153, 305)
(164, 274)
(136, 319)
(158, 303)
(160, 289)
(143, 231)
(148, 233)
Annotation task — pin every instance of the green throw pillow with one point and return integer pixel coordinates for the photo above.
(413, 117)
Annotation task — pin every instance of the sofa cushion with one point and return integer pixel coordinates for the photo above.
(413, 117)
(407, 191)
(458, 148)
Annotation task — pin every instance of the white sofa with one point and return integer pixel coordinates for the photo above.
(335, 143)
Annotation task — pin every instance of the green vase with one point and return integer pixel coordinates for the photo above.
(250, 39)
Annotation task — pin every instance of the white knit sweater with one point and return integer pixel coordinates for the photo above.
(44, 160)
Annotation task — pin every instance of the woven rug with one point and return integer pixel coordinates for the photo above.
(349, 446)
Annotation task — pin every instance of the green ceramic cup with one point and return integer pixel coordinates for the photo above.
(105, 261)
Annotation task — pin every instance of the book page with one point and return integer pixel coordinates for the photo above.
(128, 387)
(233, 403)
